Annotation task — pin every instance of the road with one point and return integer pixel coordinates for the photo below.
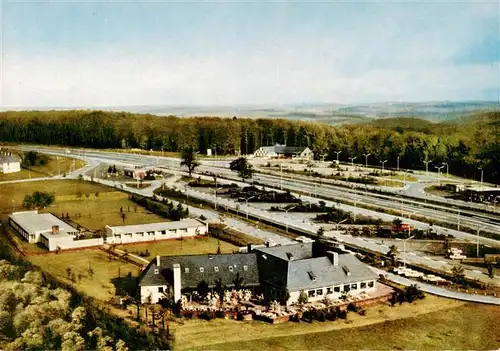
(435, 290)
(471, 219)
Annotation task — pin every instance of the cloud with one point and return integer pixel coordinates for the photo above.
(333, 53)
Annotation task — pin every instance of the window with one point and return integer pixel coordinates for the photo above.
(163, 232)
(336, 288)
(216, 269)
(202, 269)
(231, 268)
(347, 287)
(140, 233)
(319, 292)
(245, 268)
(186, 270)
(329, 290)
(354, 286)
(363, 285)
(160, 289)
(172, 231)
(157, 271)
(311, 293)
(183, 230)
(371, 284)
(151, 233)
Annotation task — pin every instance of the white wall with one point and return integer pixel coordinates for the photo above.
(153, 292)
(157, 235)
(11, 167)
(294, 295)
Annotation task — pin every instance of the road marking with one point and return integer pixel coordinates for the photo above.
(476, 271)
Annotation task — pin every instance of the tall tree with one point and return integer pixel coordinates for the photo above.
(242, 167)
(188, 160)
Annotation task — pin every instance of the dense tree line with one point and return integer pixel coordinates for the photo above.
(36, 314)
(464, 144)
(164, 208)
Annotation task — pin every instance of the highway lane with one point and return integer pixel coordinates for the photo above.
(331, 191)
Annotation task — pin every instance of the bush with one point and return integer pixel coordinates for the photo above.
(220, 314)
(205, 315)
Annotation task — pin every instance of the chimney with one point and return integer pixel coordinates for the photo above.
(55, 229)
(177, 281)
(267, 244)
(158, 261)
(290, 256)
(249, 248)
(334, 257)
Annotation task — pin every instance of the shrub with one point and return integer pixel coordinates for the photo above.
(220, 314)
(205, 315)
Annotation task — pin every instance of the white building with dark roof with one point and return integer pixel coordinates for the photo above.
(279, 271)
(9, 163)
(278, 151)
(155, 231)
(45, 228)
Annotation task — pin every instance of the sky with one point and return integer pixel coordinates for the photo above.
(124, 53)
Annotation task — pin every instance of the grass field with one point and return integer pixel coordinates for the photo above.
(51, 168)
(105, 271)
(434, 323)
(74, 197)
(190, 246)
(390, 183)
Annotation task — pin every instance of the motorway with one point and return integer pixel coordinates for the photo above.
(468, 218)
(296, 221)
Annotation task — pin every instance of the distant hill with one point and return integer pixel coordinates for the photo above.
(437, 111)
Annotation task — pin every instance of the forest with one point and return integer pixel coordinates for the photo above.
(465, 144)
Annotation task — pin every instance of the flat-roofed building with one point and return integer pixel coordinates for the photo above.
(43, 227)
(155, 231)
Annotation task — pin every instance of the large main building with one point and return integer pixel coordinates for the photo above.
(278, 272)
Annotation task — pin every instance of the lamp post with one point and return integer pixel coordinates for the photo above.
(286, 222)
(439, 171)
(398, 163)
(481, 169)
(427, 166)
(281, 176)
(337, 223)
(404, 250)
(366, 159)
(356, 200)
(246, 200)
(338, 152)
(352, 160)
(458, 217)
(477, 247)
(383, 163)
(495, 200)
(447, 169)
(404, 176)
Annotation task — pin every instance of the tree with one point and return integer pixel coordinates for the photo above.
(321, 232)
(68, 272)
(123, 217)
(38, 200)
(220, 288)
(491, 270)
(392, 253)
(397, 222)
(238, 281)
(302, 299)
(203, 289)
(188, 160)
(458, 273)
(242, 167)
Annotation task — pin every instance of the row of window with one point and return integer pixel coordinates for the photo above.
(152, 233)
(216, 269)
(339, 288)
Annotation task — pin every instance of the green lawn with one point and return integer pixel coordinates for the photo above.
(101, 284)
(51, 168)
(189, 246)
(434, 324)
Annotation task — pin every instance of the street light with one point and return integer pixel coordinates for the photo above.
(447, 169)
(338, 152)
(352, 160)
(286, 222)
(404, 176)
(427, 166)
(480, 168)
(477, 247)
(366, 159)
(383, 163)
(404, 250)
(342, 221)
(246, 200)
(458, 217)
(439, 171)
(398, 163)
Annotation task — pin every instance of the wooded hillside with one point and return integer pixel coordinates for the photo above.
(465, 144)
